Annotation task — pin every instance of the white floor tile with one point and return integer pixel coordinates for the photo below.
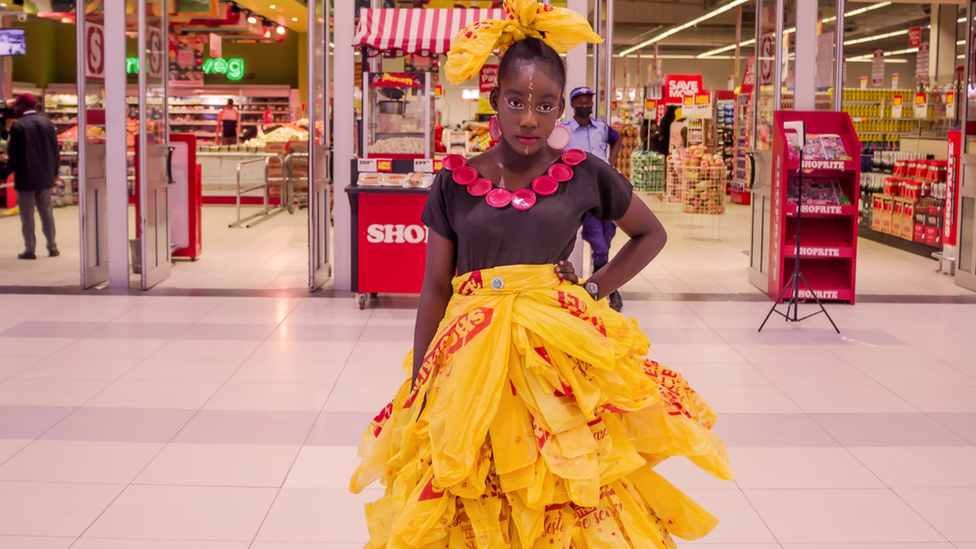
(852, 516)
(184, 513)
(921, 467)
(221, 465)
(799, 468)
(79, 461)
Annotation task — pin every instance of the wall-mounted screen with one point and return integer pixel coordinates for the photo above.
(13, 42)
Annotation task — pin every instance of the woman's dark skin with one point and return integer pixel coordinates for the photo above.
(528, 102)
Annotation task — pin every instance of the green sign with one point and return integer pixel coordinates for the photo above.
(233, 68)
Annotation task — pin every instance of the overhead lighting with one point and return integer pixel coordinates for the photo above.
(870, 57)
(748, 42)
(280, 30)
(272, 7)
(252, 20)
(791, 30)
(858, 11)
(689, 24)
(332, 45)
(678, 56)
(294, 19)
(859, 60)
(875, 37)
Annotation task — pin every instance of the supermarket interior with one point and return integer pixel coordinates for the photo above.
(243, 217)
(240, 215)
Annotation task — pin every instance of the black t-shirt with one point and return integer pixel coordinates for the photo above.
(489, 237)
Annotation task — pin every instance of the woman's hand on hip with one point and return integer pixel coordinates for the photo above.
(565, 271)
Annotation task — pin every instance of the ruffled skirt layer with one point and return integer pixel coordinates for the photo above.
(536, 423)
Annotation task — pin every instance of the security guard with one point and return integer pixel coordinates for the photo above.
(598, 139)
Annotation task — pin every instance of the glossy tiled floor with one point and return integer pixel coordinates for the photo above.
(231, 423)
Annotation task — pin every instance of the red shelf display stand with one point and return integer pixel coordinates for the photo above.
(828, 246)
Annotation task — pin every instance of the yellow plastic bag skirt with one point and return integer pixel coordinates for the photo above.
(535, 423)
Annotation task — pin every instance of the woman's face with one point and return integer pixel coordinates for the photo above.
(528, 103)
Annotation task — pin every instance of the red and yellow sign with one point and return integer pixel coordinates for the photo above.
(385, 166)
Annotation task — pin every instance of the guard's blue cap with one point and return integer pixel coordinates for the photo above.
(582, 90)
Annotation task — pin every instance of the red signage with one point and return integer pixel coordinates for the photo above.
(914, 37)
(390, 232)
(952, 189)
(767, 46)
(95, 55)
(679, 86)
(749, 80)
(487, 78)
(155, 51)
(396, 80)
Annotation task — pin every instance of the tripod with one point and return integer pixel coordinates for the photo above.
(793, 285)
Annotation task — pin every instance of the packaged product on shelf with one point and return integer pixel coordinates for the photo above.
(833, 147)
(812, 149)
(366, 179)
(418, 180)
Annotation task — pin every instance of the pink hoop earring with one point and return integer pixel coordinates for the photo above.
(559, 138)
(494, 130)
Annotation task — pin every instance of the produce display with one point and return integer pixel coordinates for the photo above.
(282, 134)
(628, 134)
(701, 181)
(647, 171)
(398, 145)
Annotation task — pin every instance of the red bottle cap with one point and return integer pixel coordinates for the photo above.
(572, 157)
(454, 161)
(499, 198)
(481, 187)
(523, 199)
(545, 185)
(465, 175)
(561, 172)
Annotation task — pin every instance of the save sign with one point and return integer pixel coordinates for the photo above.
(679, 86)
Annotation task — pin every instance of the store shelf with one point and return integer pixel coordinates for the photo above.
(910, 246)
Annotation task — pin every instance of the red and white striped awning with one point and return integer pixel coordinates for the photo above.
(416, 30)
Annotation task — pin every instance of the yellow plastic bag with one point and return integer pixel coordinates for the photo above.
(535, 422)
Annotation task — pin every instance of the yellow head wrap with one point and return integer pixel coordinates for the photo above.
(560, 28)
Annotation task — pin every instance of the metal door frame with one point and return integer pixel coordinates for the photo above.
(146, 280)
(90, 275)
(966, 274)
(319, 211)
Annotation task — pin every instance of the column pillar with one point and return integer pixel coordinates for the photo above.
(804, 79)
(576, 77)
(942, 44)
(116, 191)
(576, 57)
(344, 116)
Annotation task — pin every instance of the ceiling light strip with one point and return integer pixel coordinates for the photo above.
(790, 30)
(679, 28)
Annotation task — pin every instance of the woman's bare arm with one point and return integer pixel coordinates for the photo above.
(434, 295)
(647, 239)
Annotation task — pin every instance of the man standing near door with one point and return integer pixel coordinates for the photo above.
(598, 139)
(33, 156)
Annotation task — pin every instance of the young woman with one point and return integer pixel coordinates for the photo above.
(532, 418)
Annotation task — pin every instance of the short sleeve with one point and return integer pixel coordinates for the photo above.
(612, 136)
(435, 214)
(614, 190)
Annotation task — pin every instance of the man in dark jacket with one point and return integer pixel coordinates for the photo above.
(33, 157)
